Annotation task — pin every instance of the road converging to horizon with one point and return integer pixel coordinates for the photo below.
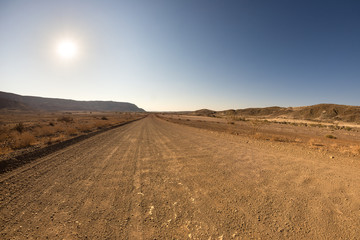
(152, 179)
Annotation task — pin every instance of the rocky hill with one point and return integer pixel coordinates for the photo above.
(323, 112)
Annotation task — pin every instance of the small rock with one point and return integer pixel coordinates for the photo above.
(332, 157)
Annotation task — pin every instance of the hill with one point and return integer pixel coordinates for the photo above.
(323, 112)
(12, 101)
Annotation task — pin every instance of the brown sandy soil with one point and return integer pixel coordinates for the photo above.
(153, 179)
(313, 135)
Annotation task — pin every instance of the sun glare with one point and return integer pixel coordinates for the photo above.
(66, 49)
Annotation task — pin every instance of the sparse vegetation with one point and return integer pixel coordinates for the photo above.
(23, 131)
(330, 136)
(66, 119)
(19, 127)
(321, 136)
(23, 140)
(72, 131)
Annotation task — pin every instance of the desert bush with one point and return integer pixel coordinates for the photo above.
(59, 138)
(19, 127)
(51, 124)
(49, 141)
(86, 127)
(66, 119)
(348, 128)
(45, 131)
(72, 131)
(315, 142)
(240, 119)
(100, 124)
(23, 140)
(4, 150)
(104, 118)
(330, 136)
(4, 133)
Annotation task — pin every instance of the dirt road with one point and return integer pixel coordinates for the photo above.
(153, 179)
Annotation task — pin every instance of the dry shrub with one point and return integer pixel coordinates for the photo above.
(60, 128)
(86, 127)
(19, 127)
(330, 136)
(280, 139)
(315, 142)
(66, 119)
(5, 150)
(5, 140)
(45, 131)
(59, 138)
(100, 124)
(240, 119)
(4, 134)
(23, 140)
(49, 141)
(72, 131)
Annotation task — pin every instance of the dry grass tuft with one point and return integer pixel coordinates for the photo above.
(315, 142)
(45, 131)
(86, 127)
(66, 119)
(23, 140)
(100, 124)
(72, 131)
(19, 127)
(330, 136)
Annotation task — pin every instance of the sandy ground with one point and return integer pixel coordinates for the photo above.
(153, 179)
(345, 142)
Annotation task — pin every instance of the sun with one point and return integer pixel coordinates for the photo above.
(66, 49)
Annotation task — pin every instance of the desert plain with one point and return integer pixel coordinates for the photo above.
(181, 176)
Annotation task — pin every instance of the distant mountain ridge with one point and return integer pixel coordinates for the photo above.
(13, 101)
(327, 112)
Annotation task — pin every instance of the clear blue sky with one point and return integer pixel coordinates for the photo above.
(185, 54)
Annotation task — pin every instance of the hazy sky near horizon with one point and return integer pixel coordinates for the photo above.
(185, 54)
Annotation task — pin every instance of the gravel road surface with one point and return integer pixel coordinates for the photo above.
(152, 179)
